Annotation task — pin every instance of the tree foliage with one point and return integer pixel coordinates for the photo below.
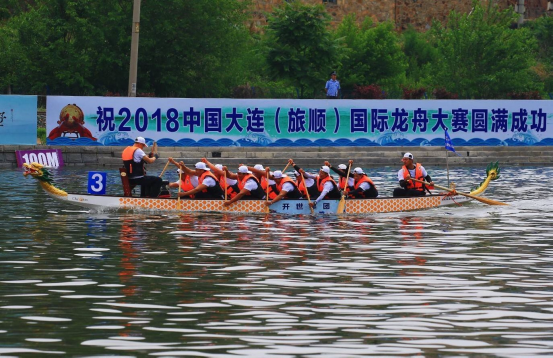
(421, 57)
(300, 47)
(481, 56)
(372, 54)
(187, 49)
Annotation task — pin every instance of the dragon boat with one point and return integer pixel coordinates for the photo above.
(296, 207)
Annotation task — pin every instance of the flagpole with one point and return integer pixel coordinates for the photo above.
(447, 166)
(446, 159)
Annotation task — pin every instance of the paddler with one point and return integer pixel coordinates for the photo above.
(285, 187)
(249, 185)
(230, 184)
(208, 184)
(261, 174)
(326, 186)
(185, 181)
(342, 172)
(363, 186)
(409, 188)
(305, 182)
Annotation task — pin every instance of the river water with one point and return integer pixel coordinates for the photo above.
(462, 281)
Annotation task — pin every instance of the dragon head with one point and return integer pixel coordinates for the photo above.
(492, 171)
(37, 171)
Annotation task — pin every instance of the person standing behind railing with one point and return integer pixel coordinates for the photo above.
(332, 87)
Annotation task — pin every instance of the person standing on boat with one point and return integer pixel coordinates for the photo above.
(326, 186)
(208, 185)
(409, 188)
(286, 188)
(230, 184)
(363, 186)
(342, 172)
(134, 160)
(249, 186)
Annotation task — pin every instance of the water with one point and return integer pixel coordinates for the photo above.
(461, 281)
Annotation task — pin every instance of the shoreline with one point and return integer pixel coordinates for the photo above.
(365, 157)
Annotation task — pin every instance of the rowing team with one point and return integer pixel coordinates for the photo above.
(208, 181)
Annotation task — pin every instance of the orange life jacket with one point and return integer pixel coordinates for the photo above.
(231, 193)
(334, 193)
(257, 193)
(294, 194)
(135, 169)
(364, 179)
(342, 183)
(264, 184)
(418, 175)
(186, 184)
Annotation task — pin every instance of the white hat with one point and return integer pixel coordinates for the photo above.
(141, 140)
(244, 170)
(325, 169)
(259, 167)
(219, 166)
(408, 155)
(342, 166)
(358, 171)
(277, 174)
(201, 165)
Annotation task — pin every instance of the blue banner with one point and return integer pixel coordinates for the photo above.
(187, 122)
(18, 124)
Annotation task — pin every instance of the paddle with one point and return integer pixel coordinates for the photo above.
(286, 167)
(483, 200)
(165, 168)
(307, 192)
(267, 189)
(342, 203)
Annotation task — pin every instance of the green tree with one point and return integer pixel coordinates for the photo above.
(480, 56)
(372, 54)
(542, 30)
(421, 57)
(300, 47)
(193, 48)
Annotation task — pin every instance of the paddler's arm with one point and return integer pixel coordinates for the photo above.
(218, 172)
(193, 191)
(326, 189)
(230, 175)
(279, 197)
(237, 197)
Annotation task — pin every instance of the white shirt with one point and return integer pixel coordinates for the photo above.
(411, 173)
(231, 181)
(326, 189)
(209, 181)
(309, 180)
(137, 158)
(251, 184)
(365, 186)
(193, 181)
(288, 187)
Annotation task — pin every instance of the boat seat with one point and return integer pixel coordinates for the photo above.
(127, 187)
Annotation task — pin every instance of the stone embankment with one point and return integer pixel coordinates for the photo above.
(366, 157)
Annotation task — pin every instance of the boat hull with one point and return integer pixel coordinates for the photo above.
(294, 207)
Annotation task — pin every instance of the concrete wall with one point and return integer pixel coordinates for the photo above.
(97, 157)
(417, 13)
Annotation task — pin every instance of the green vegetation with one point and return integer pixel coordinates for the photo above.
(204, 48)
(41, 135)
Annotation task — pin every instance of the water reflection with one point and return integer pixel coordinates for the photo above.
(464, 281)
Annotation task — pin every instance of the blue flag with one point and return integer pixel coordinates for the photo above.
(448, 144)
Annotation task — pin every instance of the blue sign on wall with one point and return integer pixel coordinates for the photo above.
(97, 183)
(18, 119)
